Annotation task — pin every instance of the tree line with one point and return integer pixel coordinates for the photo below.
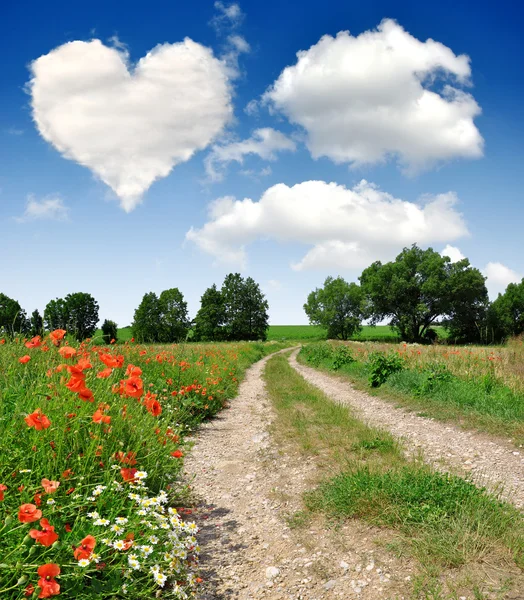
(236, 311)
(415, 292)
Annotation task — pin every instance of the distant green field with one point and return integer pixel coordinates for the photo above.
(307, 333)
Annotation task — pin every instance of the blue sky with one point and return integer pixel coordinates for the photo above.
(268, 151)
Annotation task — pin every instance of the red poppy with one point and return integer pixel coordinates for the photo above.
(129, 541)
(34, 342)
(29, 513)
(57, 336)
(50, 487)
(153, 406)
(86, 395)
(104, 373)
(177, 454)
(76, 383)
(87, 545)
(83, 364)
(29, 590)
(47, 536)
(68, 527)
(3, 488)
(133, 371)
(67, 352)
(128, 474)
(38, 420)
(113, 362)
(38, 499)
(47, 583)
(133, 387)
(100, 417)
(126, 459)
(67, 473)
(24, 359)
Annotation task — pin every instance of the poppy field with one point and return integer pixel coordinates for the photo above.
(91, 452)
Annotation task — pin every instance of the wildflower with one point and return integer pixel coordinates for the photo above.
(83, 562)
(67, 473)
(47, 583)
(37, 499)
(50, 487)
(38, 420)
(160, 578)
(86, 548)
(121, 520)
(104, 373)
(117, 528)
(85, 394)
(34, 342)
(112, 362)
(100, 417)
(133, 371)
(140, 475)
(177, 454)
(133, 387)
(119, 545)
(50, 501)
(146, 550)
(29, 513)
(93, 515)
(3, 488)
(67, 352)
(29, 590)
(128, 474)
(126, 459)
(24, 359)
(47, 536)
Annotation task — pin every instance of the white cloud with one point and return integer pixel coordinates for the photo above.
(49, 208)
(499, 277)
(265, 143)
(453, 253)
(130, 126)
(228, 16)
(347, 228)
(274, 284)
(366, 99)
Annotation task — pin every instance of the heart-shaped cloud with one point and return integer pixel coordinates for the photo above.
(130, 128)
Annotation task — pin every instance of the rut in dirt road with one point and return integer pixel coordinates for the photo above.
(489, 462)
(247, 485)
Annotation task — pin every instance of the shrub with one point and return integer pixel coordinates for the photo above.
(342, 356)
(316, 353)
(382, 366)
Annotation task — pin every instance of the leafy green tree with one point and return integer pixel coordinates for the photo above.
(506, 313)
(338, 307)
(36, 323)
(13, 318)
(245, 309)
(146, 322)
(174, 317)
(109, 331)
(466, 315)
(82, 315)
(55, 315)
(210, 318)
(421, 286)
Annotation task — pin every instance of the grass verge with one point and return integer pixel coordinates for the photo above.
(444, 521)
(481, 403)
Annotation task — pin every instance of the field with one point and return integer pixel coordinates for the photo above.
(92, 441)
(379, 333)
(478, 387)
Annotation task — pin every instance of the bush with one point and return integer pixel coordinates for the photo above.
(435, 373)
(109, 331)
(342, 356)
(316, 353)
(382, 366)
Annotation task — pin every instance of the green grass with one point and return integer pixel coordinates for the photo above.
(124, 334)
(483, 404)
(443, 521)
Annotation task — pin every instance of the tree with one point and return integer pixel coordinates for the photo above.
(174, 317)
(55, 315)
(245, 309)
(146, 322)
(13, 318)
(81, 311)
(36, 324)
(109, 331)
(506, 313)
(338, 307)
(421, 286)
(210, 318)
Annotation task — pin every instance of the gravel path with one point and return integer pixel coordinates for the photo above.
(490, 462)
(248, 485)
